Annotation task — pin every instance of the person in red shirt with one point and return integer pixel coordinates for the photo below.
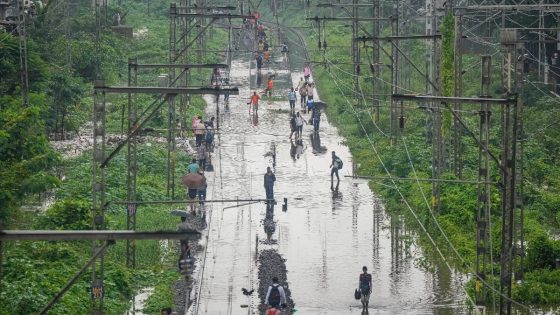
(269, 86)
(255, 103)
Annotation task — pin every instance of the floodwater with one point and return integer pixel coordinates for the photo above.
(326, 235)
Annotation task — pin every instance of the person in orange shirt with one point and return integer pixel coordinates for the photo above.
(269, 86)
(255, 103)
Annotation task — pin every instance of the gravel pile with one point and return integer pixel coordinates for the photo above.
(194, 222)
(180, 289)
(271, 264)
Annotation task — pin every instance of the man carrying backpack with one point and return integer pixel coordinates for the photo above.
(365, 287)
(275, 296)
(336, 164)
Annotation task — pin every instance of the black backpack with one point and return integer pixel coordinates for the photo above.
(339, 163)
(274, 297)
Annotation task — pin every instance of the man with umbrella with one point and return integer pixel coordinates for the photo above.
(193, 181)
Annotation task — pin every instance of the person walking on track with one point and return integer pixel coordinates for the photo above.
(300, 84)
(293, 126)
(310, 87)
(292, 98)
(336, 164)
(275, 296)
(199, 131)
(299, 125)
(306, 72)
(269, 179)
(269, 86)
(365, 288)
(303, 95)
(254, 103)
(316, 118)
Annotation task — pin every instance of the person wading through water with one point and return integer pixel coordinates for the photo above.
(255, 103)
(299, 125)
(292, 98)
(275, 296)
(293, 126)
(365, 288)
(269, 179)
(336, 164)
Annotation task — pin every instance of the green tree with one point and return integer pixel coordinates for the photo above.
(65, 92)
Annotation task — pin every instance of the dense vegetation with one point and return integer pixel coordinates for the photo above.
(366, 135)
(62, 63)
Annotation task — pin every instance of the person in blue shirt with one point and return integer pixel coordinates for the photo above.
(309, 105)
(193, 167)
(316, 119)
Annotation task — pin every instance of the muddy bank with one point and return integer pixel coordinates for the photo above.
(271, 264)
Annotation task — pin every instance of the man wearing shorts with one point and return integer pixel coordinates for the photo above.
(365, 288)
(255, 103)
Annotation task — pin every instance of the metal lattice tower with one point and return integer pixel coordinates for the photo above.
(483, 261)
(457, 92)
(394, 73)
(131, 160)
(508, 163)
(22, 42)
(98, 197)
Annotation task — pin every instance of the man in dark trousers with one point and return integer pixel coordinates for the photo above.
(365, 288)
(269, 180)
(335, 166)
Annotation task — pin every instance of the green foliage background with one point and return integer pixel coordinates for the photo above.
(62, 60)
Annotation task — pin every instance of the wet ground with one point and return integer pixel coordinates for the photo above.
(325, 236)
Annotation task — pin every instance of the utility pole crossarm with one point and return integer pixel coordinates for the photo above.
(326, 18)
(449, 99)
(225, 7)
(181, 66)
(165, 90)
(400, 37)
(342, 5)
(214, 15)
(102, 235)
(520, 7)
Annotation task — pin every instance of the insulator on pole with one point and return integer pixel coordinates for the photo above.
(371, 67)
(358, 69)
(324, 44)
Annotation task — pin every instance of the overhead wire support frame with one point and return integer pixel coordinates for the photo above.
(342, 5)
(449, 99)
(181, 66)
(326, 18)
(398, 37)
(98, 235)
(145, 202)
(453, 181)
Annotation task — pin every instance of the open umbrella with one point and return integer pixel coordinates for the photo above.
(193, 180)
(180, 213)
(319, 104)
